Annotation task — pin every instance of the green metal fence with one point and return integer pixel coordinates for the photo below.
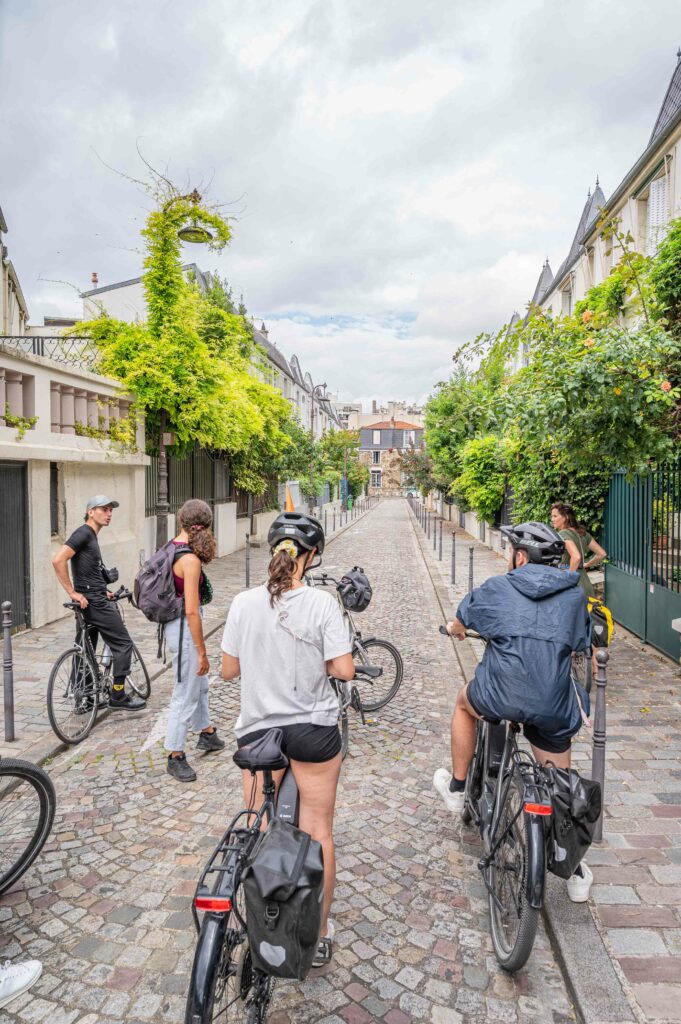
(643, 540)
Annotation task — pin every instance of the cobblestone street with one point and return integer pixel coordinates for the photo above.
(107, 905)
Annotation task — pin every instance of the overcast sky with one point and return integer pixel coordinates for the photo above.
(398, 171)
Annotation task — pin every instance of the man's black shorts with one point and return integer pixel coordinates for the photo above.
(304, 742)
(551, 743)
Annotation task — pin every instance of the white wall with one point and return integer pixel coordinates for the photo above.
(126, 303)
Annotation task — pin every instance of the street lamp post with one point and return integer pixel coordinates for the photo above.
(197, 234)
(321, 388)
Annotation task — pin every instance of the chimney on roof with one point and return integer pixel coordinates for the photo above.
(95, 279)
(373, 405)
(263, 329)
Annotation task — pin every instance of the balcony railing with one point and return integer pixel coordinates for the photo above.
(78, 352)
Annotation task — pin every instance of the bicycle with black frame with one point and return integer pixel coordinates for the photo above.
(81, 679)
(27, 805)
(507, 796)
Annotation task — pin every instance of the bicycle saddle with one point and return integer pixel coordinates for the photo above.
(371, 671)
(263, 754)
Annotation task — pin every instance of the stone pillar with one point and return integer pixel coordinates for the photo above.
(80, 406)
(67, 410)
(92, 410)
(14, 396)
(103, 414)
(55, 406)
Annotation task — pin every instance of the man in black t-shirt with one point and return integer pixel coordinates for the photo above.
(89, 590)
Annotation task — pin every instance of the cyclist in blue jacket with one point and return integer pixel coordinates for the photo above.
(533, 618)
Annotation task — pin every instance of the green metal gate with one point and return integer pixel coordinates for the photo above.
(14, 571)
(643, 540)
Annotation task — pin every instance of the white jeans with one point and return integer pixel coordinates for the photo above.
(189, 702)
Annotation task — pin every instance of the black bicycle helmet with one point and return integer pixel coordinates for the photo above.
(305, 531)
(355, 590)
(541, 542)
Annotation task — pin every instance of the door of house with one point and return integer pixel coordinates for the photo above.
(643, 540)
(14, 574)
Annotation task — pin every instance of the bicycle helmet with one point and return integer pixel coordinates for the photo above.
(541, 543)
(355, 590)
(305, 531)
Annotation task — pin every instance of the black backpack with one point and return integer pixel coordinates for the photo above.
(283, 884)
(154, 587)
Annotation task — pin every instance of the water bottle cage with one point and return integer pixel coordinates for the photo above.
(271, 916)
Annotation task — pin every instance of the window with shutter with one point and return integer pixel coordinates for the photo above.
(377, 437)
(566, 301)
(657, 214)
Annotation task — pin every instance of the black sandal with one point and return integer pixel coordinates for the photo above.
(324, 953)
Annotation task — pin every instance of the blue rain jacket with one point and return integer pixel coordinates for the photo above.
(532, 618)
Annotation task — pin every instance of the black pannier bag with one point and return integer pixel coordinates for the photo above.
(576, 804)
(284, 887)
(355, 590)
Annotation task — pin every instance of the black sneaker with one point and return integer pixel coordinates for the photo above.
(127, 703)
(180, 769)
(210, 741)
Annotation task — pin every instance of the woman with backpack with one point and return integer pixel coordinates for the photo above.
(285, 639)
(195, 547)
(577, 544)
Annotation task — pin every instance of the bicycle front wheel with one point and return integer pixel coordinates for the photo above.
(72, 697)
(581, 666)
(376, 693)
(138, 676)
(27, 806)
(513, 921)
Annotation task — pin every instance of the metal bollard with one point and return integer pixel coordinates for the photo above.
(8, 670)
(248, 560)
(598, 752)
(439, 553)
(428, 518)
(434, 533)
(470, 568)
(334, 521)
(453, 557)
(325, 530)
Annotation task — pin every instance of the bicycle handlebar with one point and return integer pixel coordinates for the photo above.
(122, 594)
(469, 633)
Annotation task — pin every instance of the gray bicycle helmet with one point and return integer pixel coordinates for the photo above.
(355, 590)
(541, 542)
(305, 531)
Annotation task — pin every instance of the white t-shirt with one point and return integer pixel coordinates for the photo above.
(283, 652)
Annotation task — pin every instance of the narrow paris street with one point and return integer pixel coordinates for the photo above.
(107, 905)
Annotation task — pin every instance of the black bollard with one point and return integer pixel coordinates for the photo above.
(325, 530)
(598, 752)
(8, 670)
(453, 557)
(439, 553)
(334, 521)
(470, 568)
(248, 560)
(434, 533)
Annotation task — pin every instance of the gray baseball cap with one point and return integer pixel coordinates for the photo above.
(99, 500)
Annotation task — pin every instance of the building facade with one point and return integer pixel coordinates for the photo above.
(381, 447)
(13, 311)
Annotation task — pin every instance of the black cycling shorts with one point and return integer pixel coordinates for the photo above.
(303, 742)
(544, 741)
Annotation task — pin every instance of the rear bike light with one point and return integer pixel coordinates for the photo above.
(543, 809)
(214, 904)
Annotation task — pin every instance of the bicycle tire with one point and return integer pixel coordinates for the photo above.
(370, 687)
(215, 973)
(140, 682)
(513, 953)
(39, 780)
(85, 702)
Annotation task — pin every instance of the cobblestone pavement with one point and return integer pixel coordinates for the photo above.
(107, 905)
(636, 898)
(35, 650)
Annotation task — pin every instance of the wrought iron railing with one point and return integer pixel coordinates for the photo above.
(78, 352)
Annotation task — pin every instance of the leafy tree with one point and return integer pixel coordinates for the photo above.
(418, 467)
(340, 451)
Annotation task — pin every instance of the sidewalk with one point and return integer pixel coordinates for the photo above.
(636, 898)
(35, 651)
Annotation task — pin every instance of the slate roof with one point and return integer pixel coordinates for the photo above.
(3, 223)
(389, 425)
(273, 353)
(202, 278)
(543, 284)
(586, 221)
(671, 104)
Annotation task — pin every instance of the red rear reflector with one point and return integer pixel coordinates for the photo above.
(216, 904)
(544, 809)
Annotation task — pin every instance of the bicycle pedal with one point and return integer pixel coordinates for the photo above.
(370, 721)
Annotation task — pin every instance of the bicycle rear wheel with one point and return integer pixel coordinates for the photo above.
(72, 696)
(376, 693)
(27, 806)
(138, 676)
(581, 667)
(513, 921)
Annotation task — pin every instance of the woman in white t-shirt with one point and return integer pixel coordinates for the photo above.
(285, 639)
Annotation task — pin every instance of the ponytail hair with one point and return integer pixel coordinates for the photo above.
(196, 518)
(281, 569)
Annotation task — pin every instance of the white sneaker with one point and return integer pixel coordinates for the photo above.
(17, 978)
(452, 801)
(579, 885)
